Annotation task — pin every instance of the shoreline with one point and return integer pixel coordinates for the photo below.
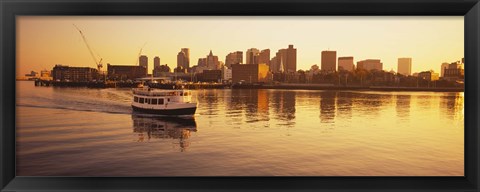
(366, 88)
(258, 86)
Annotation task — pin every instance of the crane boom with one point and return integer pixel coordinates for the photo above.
(98, 63)
(140, 52)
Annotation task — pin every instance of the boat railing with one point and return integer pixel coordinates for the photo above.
(146, 92)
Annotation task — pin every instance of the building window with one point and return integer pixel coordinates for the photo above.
(142, 100)
(154, 101)
(135, 99)
(160, 101)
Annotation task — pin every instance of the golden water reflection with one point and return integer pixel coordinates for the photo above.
(154, 127)
(243, 132)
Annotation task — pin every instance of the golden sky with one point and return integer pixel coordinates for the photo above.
(43, 41)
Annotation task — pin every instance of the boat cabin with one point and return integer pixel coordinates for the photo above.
(160, 97)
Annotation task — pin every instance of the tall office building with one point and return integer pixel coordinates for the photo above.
(234, 58)
(404, 66)
(202, 62)
(187, 57)
(183, 58)
(281, 60)
(143, 61)
(278, 62)
(264, 57)
(212, 61)
(285, 60)
(329, 61)
(370, 64)
(252, 56)
(346, 64)
(156, 62)
(274, 64)
(443, 67)
(291, 65)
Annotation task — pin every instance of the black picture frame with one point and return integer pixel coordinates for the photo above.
(9, 9)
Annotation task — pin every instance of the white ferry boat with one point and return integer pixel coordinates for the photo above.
(163, 102)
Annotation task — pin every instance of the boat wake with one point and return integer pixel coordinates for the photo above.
(110, 110)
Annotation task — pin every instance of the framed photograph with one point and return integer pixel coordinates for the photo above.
(239, 95)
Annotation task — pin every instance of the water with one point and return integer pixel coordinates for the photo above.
(92, 132)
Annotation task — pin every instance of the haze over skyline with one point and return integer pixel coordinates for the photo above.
(43, 41)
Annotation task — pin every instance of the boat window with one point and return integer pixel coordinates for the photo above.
(135, 99)
(154, 101)
(160, 101)
(147, 100)
(168, 99)
(141, 100)
(185, 94)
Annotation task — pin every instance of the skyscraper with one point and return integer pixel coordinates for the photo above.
(443, 67)
(202, 62)
(234, 58)
(285, 60)
(156, 62)
(329, 61)
(143, 61)
(274, 64)
(281, 60)
(370, 64)
(404, 66)
(183, 58)
(187, 57)
(252, 55)
(264, 57)
(212, 61)
(278, 62)
(291, 65)
(345, 63)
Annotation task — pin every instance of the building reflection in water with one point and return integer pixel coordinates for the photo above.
(284, 106)
(211, 100)
(452, 105)
(402, 106)
(149, 127)
(424, 101)
(327, 106)
(370, 104)
(263, 102)
(344, 105)
(254, 102)
(234, 108)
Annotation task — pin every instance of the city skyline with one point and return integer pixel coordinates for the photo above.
(46, 41)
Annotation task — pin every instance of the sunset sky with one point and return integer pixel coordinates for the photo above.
(43, 41)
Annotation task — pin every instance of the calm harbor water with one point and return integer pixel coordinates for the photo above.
(92, 132)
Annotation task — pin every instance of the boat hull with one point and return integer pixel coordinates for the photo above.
(169, 112)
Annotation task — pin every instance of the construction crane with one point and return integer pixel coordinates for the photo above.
(99, 63)
(140, 53)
